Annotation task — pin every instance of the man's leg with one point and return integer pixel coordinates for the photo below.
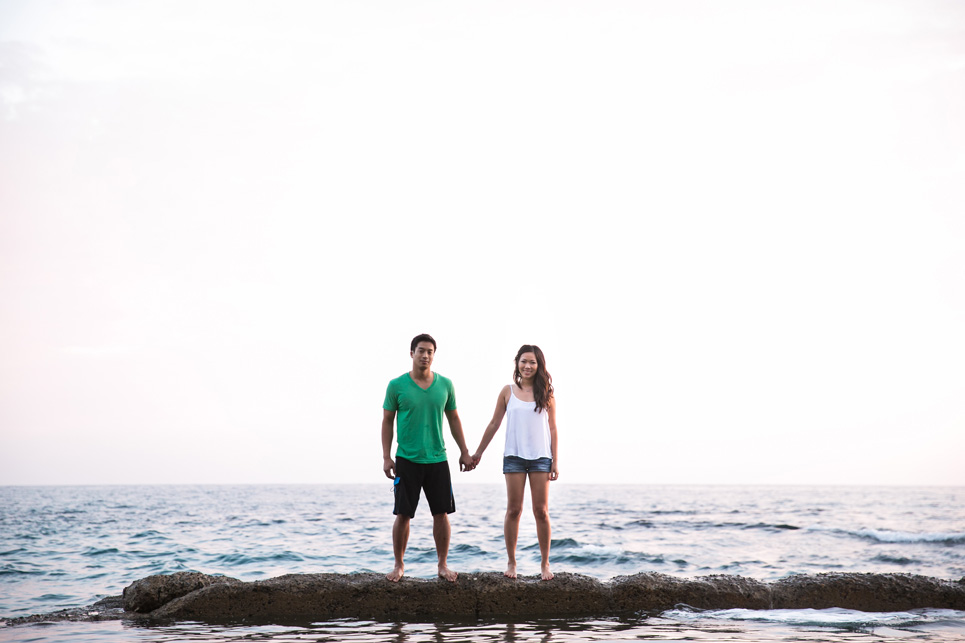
(400, 538)
(438, 488)
(441, 532)
(407, 488)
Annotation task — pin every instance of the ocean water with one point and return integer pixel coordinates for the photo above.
(63, 547)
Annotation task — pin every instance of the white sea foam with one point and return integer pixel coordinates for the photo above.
(903, 537)
(832, 617)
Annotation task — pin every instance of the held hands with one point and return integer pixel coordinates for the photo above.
(466, 462)
(477, 457)
(388, 466)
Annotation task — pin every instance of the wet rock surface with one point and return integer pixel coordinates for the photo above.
(656, 592)
(491, 595)
(150, 593)
(313, 597)
(566, 595)
(106, 609)
(867, 592)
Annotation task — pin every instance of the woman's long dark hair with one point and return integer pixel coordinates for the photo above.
(542, 382)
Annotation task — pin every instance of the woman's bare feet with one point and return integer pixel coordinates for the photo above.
(510, 571)
(448, 574)
(396, 573)
(545, 572)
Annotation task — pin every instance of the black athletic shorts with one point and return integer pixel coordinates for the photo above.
(411, 478)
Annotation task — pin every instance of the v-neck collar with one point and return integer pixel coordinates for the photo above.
(412, 379)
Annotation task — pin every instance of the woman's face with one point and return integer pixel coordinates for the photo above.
(527, 365)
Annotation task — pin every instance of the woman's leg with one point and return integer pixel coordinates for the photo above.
(539, 488)
(515, 487)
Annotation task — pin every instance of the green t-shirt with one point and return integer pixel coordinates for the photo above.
(420, 416)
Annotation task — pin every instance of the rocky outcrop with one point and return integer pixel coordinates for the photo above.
(313, 597)
(867, 592)
(490, 595)
(148, 594)
(657, 592)
(110, 608)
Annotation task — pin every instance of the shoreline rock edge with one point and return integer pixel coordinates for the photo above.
(299, 598)
(193, 596)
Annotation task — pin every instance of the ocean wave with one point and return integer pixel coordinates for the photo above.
(237, 560)
(777, 526)
(897, 537)
(55, 597)
(151, 554)
(13, 552)
(150, 533)
(702, 525)
(895, 560)
(561, 543)
(832, 617)
(573, 552)
(463, 548)
(758, 525)
(906, 537)
(28, 536)
(160, 567)
(93, 551)
(672, 512)
(593, 555)
(14, 571)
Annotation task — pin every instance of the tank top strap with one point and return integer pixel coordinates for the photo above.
(515, 398)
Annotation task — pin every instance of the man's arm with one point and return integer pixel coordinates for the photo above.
(455, 427)
(388, 464)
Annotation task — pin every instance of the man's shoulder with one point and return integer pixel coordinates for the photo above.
(445, 381)
(400, 380)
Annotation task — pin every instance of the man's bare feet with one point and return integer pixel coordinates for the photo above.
(448, 574)
(545, 572)
(396, 574)
(510, 571)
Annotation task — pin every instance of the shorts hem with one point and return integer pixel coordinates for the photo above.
(515, 464)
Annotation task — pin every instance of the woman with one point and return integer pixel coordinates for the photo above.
(530, 410)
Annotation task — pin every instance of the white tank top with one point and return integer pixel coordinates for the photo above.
(527, 432)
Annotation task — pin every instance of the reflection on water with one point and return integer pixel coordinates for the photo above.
(927, 626)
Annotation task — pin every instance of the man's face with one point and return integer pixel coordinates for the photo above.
(422, 355)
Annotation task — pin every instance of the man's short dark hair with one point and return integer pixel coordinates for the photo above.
(424, 337)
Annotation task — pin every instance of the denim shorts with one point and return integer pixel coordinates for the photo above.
(514, 464)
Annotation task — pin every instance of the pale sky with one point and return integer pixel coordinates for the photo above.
(736, 229)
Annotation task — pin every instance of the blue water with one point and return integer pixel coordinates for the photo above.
(64, 547)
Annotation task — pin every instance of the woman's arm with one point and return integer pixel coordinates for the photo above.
(493, 425)
(554, 442)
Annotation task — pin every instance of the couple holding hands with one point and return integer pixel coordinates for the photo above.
(416, 402)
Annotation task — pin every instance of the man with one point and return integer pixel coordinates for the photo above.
(420, 397)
